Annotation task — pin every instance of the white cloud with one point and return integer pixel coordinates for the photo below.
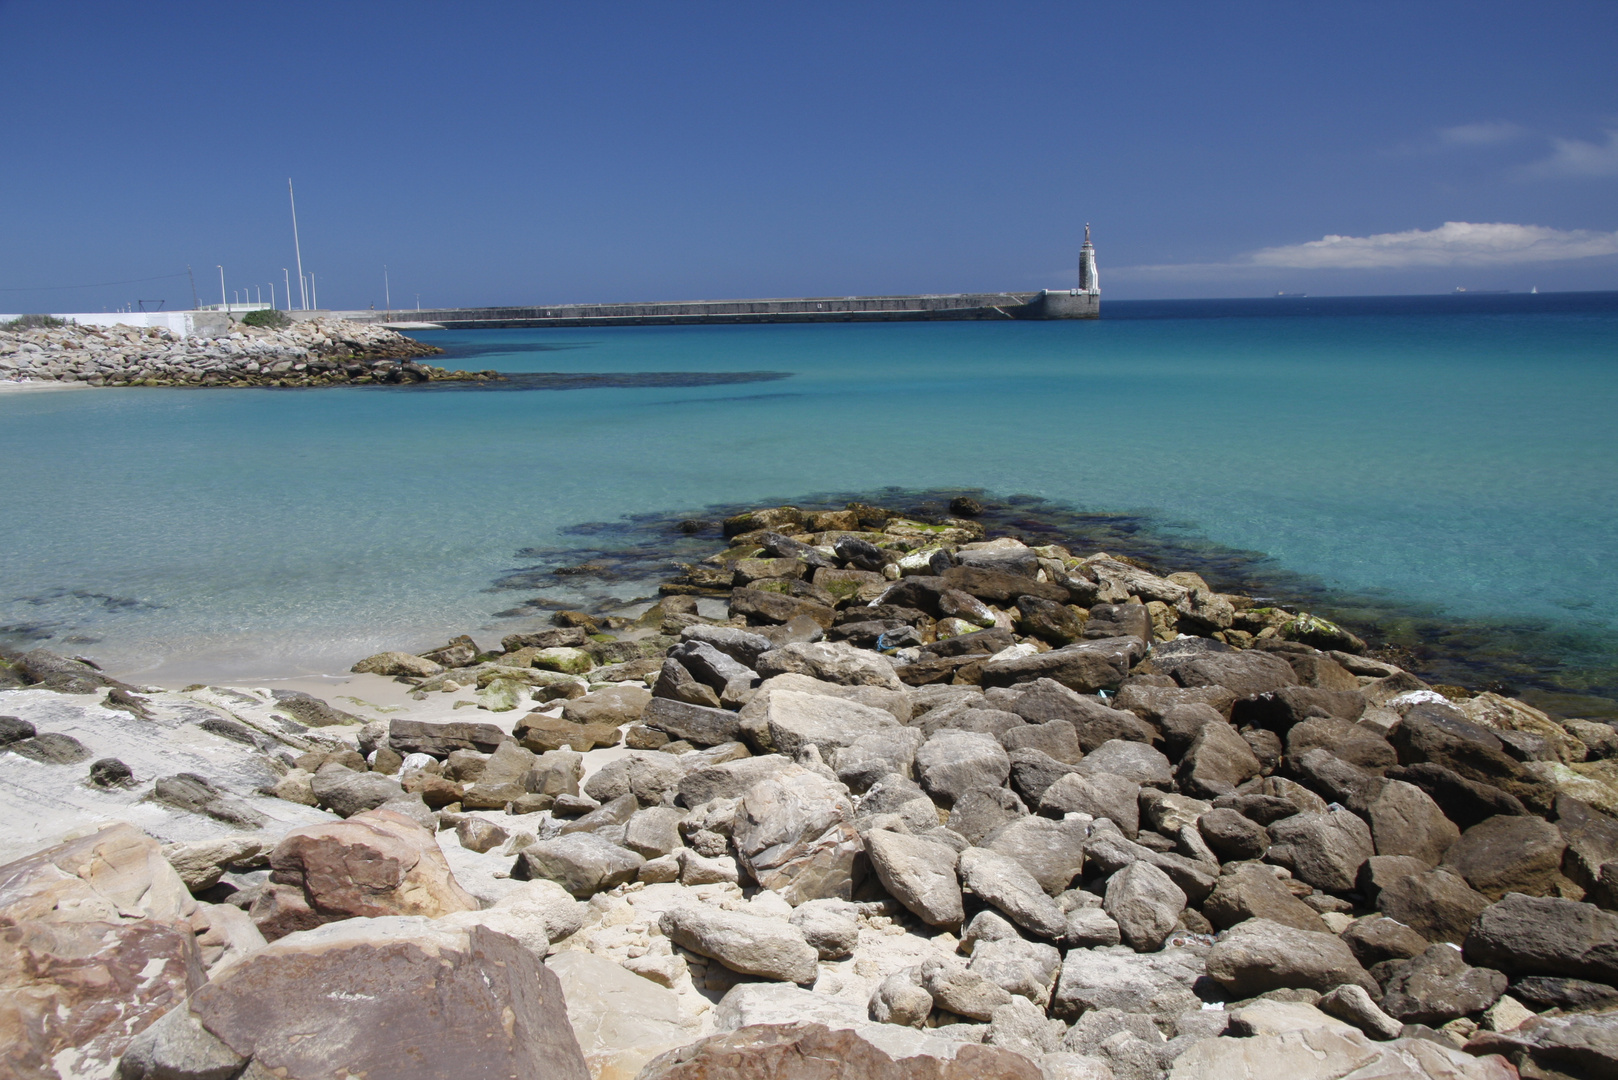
(1484, 134)
(1455, 243)
(1575, 157)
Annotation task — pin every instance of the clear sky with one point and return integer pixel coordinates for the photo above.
(491, 152)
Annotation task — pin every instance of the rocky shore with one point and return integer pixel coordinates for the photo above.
(861, 795)
(318, 352)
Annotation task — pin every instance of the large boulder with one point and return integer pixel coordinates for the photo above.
(1252, 891)
(1406, 821)
(96, 943)
(1541, 935)
(1145, 904)
(1331, 1053)
(788, 720)
(1325, 850)
(830, 661)
(809, 1051)
(1438, 986)
(583, 863)
(919, 873)
(440, 740)
(397, 997)
(621, 1019)
(1510, 854)
(1246, 674)
(1002, 881)
(1052, 851)
(1116, 978)
(795, 834)
(1084, 667)
(698, 724)
(954, 762)
(1437, 904)
(1555, 1046)
(749, 944)
(1259, 955)
(375, 863)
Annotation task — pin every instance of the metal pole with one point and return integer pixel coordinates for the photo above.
(272, 295)
(314, 297)
(297, 249)
(286, 277)
(387, 297)
(222, 301)
(418, 301)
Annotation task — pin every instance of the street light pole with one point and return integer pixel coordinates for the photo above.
(387, 297)
(286, 277)
(223, 302)
(314, 296)
(297, 249)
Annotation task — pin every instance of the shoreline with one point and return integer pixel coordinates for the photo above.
(318, 352)
(626, 555)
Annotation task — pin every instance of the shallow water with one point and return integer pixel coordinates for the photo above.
(1452, 457)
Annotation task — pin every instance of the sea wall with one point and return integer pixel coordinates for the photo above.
(315, 353)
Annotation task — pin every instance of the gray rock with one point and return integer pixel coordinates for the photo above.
(708, 664)
(919, 873)
(1022, 1027)
(955, 987)
(740, 645)
(788, 720)
(345, 792)
(1246, 674)
(1022, 968)
(982, 810)
(503, 779)
(605, 818)
(1116, 979)
(1145, 904)
(1108, 852)
(871, 756)
(1252, 891)
(1089, 927)
(729, 780)
(1325, 850)
(794, 833)
(1233, 836)
(648, 775)
(310, 710)
(1084, 667)
(479, 834)
(582, 863)
(893, 794)
(1218, 761)
(1101, 795)
(1130, 760)
(654, 832)
(1352, 1004)
(1002, 881)
(828, 926)
(1033, 772)
(1438, 986)
(900, 999)
(1052, 851)
(1376, 938)
(1584, 1046)
(1058, 739)
(833, 662)
(1259, 955)
(51, 748)
(1044, 701)
(676, 683)
(750, 944)
(951, 763)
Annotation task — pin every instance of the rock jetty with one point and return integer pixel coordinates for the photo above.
(859, 796)
(317, 352)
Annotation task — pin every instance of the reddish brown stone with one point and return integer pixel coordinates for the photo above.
(814, 1052)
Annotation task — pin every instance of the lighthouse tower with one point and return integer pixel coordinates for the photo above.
(1089, 282)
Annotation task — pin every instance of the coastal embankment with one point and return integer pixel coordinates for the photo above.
(862, 783)
(319, 352)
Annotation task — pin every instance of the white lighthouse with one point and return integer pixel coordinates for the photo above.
(1089, 282)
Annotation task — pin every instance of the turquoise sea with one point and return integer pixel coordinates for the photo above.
(1436, 456)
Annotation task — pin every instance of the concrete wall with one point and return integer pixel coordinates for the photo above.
(205, 324)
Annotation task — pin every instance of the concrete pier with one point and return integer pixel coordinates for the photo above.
(1047, 304)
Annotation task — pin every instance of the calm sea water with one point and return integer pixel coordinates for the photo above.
(1447, 454)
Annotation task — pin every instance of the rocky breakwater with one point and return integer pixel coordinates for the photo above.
(318, 352)
(919, 803)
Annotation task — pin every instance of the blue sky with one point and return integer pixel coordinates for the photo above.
(491, 152)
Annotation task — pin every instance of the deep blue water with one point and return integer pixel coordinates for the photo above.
(1453, 455)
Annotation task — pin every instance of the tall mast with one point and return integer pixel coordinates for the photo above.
(303, 298)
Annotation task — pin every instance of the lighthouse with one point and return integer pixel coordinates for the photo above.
(1089, 283)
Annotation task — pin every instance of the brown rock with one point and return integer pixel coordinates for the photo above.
(1406, 821)
(1252, 891)
(814, 1052)
(1510, 854)
(95, 945)
(376, 863)
(1437, 904)
(396, 997)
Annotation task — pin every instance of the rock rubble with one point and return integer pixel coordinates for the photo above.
(924, 803)
(316, 352)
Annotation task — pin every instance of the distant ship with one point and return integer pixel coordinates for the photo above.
(1290, 295)
(1534, 291)
(1481, 292)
